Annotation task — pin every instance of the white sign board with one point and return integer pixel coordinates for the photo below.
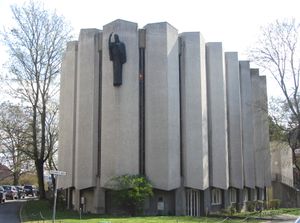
(57, 172)
(160, 206)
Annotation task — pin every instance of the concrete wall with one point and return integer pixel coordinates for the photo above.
(259, 150)
(120, 107)
(282, 163)
(247, 125)
(88, 197)
(217, 116)
(67, 118)
(194, 111)
(235, 148)
(87, 109)
(289, 197)
(168, 199)
(162, 138)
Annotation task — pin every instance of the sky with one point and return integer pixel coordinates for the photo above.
(235, 23)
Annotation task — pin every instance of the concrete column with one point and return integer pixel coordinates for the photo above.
(162, 138)
(207, 201)
(235, 149)
(226, 199)
(180, 201)
(194, 111)
(265, 132)
(120, 106)
(87, 109)
(247, 125)
(99, 199)
(258, 135)
(76, 196)
(240, 199)
(217, 116)
(67, 116)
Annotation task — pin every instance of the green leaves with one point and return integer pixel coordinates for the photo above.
(130, 192)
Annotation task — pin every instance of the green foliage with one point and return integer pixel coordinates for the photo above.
(230, 210)
(274, 204)
(130, 192)
(277, 132)
(259, 205)
(250, 206)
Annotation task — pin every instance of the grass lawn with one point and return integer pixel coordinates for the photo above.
(34, 210)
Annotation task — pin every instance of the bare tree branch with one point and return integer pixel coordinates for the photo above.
(36, 45)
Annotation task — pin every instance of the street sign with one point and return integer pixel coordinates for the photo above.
(57, 172)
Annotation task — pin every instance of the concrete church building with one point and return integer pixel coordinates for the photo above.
(189, 117)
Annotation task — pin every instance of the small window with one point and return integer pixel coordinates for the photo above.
(262, 194)
(216, 196)
(245, 192)
(254, 195)
(232, 194)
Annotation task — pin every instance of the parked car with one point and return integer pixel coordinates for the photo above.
(2, 194)
(11, 191)
(21, 192)
(30, 190)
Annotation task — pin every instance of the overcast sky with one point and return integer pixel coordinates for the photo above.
(236, 23)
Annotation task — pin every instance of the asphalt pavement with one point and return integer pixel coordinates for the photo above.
(9, 211)
(283, 219)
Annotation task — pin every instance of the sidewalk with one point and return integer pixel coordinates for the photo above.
(280, 218)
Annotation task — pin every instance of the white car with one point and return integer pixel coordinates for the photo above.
(298, 220)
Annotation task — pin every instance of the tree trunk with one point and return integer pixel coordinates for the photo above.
(16, 178)
(40, 175)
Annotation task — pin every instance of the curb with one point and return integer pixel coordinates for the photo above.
(20, 212)
(274, 218)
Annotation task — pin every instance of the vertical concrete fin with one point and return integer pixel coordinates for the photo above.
(67, 118)
(194, 111)
(120, 106)
(247, 125)
(217, 116)
(162, 140)
(235, 149)
(265, 131)
(258, 134)
(87, 109)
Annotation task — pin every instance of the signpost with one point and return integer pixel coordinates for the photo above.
(56, 173)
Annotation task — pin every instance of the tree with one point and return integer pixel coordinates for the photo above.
(36, 44)
(130, 192)
(277, 51)
(13, 138)
(278, 120)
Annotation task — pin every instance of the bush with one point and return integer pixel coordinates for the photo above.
(232, 209)
(250, 206)
(274, 204)
(239, 207)
(259, 205)
(130, 192)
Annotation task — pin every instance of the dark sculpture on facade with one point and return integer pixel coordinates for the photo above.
(117, 54)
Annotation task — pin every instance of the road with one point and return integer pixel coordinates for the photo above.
(278, 221)
(9, 211)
